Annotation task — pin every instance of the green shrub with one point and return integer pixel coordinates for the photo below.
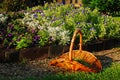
(86, 2)
(15, 15)
(111, 7)
(93, 24)
(14, 5)
(55, 24)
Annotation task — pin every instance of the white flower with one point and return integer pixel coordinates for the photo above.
(3, 18)
(53, 33)
(56, 33)
(59, 34)
(64, 37)
(30, 21)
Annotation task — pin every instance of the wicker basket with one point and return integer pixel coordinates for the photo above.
(78, 60)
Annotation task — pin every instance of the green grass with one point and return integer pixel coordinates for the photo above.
(111, 73)
(116, 18)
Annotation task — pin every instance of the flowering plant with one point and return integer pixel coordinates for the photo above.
(55, 24)
(46, 26)
(3, 23)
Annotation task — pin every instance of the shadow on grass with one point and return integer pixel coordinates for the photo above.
(105, 61)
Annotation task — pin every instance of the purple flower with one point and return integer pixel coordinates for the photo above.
(35, 15)
(83, 11)
(11, 26)
(8, 47)
(37, 10)
(50, 38)
(80, 5)
(72, 5)
(36, 38)
(18, 39)
(33, 31)
(9, 35)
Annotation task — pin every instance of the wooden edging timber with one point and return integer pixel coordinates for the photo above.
(13, 55)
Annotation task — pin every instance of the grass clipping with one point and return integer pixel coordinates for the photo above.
(83, 62)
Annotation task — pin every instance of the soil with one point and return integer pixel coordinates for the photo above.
(108, 56)
(40, 67)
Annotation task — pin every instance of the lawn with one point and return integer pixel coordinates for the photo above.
(111, 73)
(117, 18)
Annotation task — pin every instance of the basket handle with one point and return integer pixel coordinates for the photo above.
(72, 42)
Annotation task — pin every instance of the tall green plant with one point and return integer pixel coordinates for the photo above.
(111, 7)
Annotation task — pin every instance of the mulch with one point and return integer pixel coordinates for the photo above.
(40, 67)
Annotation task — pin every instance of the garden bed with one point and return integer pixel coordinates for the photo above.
(44, 25)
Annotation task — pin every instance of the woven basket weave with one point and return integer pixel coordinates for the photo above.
(78, 60)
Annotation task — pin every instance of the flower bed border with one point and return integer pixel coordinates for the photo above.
(12, 55)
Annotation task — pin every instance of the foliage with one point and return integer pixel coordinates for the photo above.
(15, 35)
(111, 7)
(37, 21)
(93, 24)
(117, 18)
(3, 22)
(55, 24)
(86, 2)
(28, 32)
(15, 15)
(16, 5)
